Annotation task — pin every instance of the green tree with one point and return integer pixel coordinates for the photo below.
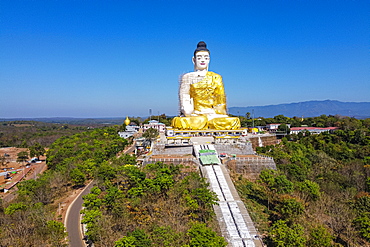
(137, 238)
(282, 185)
(150, 134)
(275, 182)
(165, 236)
(309, 189)
(281, 235)
(113, 195)
(320, 237)
(290, 208)
(92, 200)
(105, 172)
(78, 177)
(280, 119)
(126, 241)
(122, 127)
(141, 238)
(90, 217)
(362, 224)
(14, 207)
(57, 233)
(22, 156)
(37, 150)
(284, 128)
(37, 190)
(362, 221)
(202, 236)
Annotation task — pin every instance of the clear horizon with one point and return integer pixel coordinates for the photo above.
(147, 115)
(112, 58)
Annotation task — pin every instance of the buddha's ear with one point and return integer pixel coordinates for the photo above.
(193, 60)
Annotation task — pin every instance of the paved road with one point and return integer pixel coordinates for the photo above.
(72, 221)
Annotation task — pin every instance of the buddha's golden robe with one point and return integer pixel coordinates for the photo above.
(207, 94)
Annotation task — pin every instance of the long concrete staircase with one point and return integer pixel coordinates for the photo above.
(234, 221)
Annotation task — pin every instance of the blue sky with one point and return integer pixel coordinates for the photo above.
(118, 58)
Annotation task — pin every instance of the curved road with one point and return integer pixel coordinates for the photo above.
(72, 220)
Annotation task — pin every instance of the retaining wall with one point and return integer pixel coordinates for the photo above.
(235, 148)
(250, 167)
(162, 149)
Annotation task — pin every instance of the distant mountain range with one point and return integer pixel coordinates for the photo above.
(307, 109)
(358, 110)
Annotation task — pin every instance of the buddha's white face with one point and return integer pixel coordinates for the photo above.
(201, 60)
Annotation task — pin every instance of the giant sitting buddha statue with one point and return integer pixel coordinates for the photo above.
(202, 97)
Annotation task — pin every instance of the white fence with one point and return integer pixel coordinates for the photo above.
(260, 158)
(170, 160)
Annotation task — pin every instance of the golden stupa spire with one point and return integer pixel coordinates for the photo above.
(127, 121)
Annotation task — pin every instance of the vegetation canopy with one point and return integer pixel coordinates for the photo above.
(319, 195)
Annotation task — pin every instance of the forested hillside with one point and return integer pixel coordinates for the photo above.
(159, 205)
(31, 220)
(24, 134)
(319, 196)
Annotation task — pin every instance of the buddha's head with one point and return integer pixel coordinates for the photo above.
(201, 57)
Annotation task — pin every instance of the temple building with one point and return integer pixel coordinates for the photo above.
(161, 127)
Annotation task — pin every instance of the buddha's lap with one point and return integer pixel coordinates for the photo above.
(202, 122)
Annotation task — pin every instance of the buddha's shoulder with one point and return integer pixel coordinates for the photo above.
(211, 73)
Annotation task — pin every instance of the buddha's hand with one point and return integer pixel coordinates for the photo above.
(220, 109)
